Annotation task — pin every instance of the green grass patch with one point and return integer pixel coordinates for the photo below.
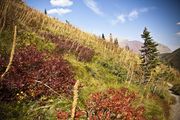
(153, 110)
(42, 109)
(29, 38)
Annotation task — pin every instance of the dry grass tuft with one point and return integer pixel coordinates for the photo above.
(75, 98)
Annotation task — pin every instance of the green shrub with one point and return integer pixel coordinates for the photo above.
(27, 38)
(114, 68)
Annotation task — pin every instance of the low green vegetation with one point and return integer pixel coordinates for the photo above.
(44, 109)
(30, 38)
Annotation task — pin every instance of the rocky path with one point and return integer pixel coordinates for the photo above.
(174, 108)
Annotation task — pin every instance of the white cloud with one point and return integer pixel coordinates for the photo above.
(121, 18)
(59, 11)
(93, 6)
(146, 9)
(61, 3)
(133, 15)
(178, 33)
(178, 23)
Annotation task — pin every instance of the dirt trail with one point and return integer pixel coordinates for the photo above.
(175, 108)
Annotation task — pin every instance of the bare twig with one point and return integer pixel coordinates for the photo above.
(47, 86)
(12, 53)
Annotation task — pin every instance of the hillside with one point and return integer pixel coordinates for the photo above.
(172, 58)
(51, 70)
(135, 46)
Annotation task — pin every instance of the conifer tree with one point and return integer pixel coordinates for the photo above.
(67, 22)
(116, 42)
(45, 12)
(149, 55)
(103, 37)
(110, 37)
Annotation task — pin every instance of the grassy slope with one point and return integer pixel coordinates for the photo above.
(98, 75)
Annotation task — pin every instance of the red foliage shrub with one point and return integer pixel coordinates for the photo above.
(114, 104)
(62, 115)
(32, 70)
(3, 63)
(63, 45)
(109, 105)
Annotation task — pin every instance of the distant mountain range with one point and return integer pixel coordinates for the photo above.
(135, 46)
(172, 58)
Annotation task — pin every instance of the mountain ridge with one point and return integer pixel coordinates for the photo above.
(135, 46)
(172, 58)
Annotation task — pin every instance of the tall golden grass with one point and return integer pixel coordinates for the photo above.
(75, 99)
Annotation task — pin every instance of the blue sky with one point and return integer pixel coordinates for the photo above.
(125, 19)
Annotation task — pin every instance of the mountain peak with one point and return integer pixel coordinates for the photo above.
(135, 46)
